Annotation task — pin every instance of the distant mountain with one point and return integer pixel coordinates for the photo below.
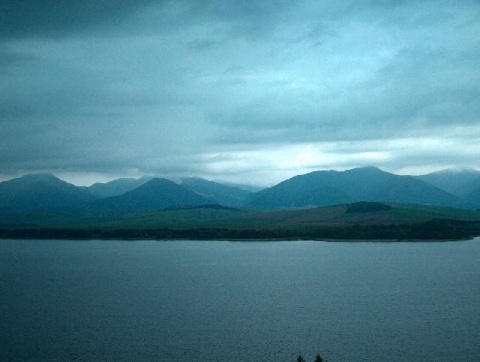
(323, 188)
(457, 181)
(473, 198)
(215, 192)
(117, 187)
(44, 192)
(250, 188)
(158, 193)
(41, 192)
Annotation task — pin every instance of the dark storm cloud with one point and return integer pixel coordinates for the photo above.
(219, 87)
(26, 18)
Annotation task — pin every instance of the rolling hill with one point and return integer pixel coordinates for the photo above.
(361, 221)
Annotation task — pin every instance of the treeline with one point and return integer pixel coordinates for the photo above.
(318, 358)
(438, 229)
(366, 206)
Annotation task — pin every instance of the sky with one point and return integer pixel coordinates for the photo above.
(246, 91)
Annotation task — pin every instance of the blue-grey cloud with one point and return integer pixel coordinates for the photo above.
(194, 87)
(50, 18)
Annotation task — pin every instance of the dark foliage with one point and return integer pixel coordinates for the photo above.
(318, 358)
(437, 229)
(364, 207)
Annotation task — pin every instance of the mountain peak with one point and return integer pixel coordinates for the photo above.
(39, 177)
(41, 192)
(157, 193)
(456, 170)
(323, 188)
(458, 181)
(157, 182)
(369, 169)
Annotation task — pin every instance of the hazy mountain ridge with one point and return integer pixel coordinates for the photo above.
(158, 193)
(41, 192)
(323, 188)
(459, 182)
(117, 187)
(473, 198)
(319, 188)
(34, 193)
(215, 192)
(464, 183)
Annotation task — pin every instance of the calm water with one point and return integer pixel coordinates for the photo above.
(232, 301)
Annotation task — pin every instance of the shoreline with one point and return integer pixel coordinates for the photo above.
(251, 240)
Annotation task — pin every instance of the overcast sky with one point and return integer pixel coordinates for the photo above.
(244, 91)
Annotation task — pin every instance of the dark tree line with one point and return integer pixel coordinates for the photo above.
(436, 229)
(318, 358)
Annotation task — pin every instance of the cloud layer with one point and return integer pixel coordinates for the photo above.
(244, 91)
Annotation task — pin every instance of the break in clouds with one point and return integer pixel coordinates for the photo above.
(247, 91)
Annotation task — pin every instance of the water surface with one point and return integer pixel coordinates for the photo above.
(239, 301)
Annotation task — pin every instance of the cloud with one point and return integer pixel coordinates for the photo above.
(50, 18)
(227, 88)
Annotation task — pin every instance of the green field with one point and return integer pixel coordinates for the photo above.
(395, 221)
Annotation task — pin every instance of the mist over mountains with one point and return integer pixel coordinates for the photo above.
(47, 193)
(459, 182)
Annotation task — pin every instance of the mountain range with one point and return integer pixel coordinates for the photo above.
(47, 193)
(460, 182)
(116, 187)
(323, 188)
(158, 193)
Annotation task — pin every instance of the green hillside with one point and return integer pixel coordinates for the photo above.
(349, 221)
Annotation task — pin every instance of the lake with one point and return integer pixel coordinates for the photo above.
(239, 301)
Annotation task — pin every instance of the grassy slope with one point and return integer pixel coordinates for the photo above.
(337, 216)
(205, 217)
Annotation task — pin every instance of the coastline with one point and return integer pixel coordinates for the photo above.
(74, 234)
